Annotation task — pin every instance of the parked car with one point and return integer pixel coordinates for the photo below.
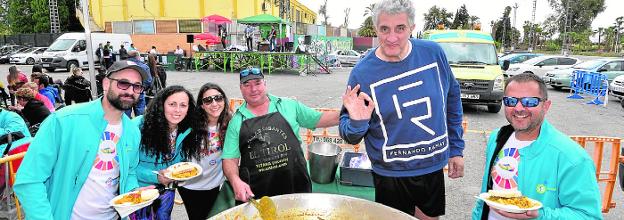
(346, 56)
(4, 50)
(540, 65)
(366, 52)
(29, 57)
(616, 88)
(517, 57)
(612, 67)
(6, 57)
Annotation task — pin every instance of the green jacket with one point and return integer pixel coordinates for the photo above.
(556, 171)
(61, 156)
(147, 162)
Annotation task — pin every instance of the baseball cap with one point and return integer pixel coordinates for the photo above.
(126, 64)
(250, 73)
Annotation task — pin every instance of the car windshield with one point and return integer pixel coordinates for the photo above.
(29, 50)
(535, 60)
(470, 53)
(588, 65)
(508, 56)
(61, 44)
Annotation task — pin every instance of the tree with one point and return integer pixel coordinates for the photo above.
(473, 20)
(369, 10)
(462, 19)
(323, 12)
(4, 24)
(367, 29)
(503, 28)
(346, 19)
(599, 31)
(580, 14)
(437, 16)
(40, 16)
(20, 17)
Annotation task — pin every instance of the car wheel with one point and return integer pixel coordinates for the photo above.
(557, 87)
(30, 61)
(622, 103)
(494, 108)
(50, 70)
(529, 72)
(71, 65)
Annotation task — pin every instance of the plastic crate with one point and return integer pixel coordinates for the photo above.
(354, 176)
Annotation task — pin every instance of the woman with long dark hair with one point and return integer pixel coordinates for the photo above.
(199, 194)
(170, 135)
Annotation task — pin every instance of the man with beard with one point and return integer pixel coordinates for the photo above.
(531, 156)
(85, 154)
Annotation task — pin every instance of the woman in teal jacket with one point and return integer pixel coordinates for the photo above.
(169, 136)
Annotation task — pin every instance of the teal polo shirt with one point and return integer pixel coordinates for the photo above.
(296, 114)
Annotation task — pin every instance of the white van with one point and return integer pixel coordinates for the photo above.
(69, 49)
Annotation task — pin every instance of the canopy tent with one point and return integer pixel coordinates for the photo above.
(265, 21)
(217, 19)
(262, 19)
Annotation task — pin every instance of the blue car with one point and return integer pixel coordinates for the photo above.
(517, 57)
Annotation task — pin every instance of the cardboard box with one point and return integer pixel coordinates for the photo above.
(354, 176)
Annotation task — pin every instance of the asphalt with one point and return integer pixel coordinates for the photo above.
(572, 117)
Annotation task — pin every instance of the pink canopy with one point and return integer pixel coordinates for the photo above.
(217, 19)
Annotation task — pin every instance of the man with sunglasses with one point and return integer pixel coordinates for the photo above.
(263, 136)
(531, 156)
(84, 154)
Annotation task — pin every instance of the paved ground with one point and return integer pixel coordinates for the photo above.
(571, 116)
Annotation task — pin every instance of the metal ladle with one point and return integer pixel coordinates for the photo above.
(266, 207)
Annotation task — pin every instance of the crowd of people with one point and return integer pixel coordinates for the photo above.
(402, 100)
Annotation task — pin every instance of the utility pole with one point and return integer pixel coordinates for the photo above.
(513, 44)
(532, 29)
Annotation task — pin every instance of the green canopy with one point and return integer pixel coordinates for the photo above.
(262, 19)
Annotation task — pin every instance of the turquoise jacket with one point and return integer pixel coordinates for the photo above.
(556, 171)
(60, 158)
(147, 163)
(12, 122)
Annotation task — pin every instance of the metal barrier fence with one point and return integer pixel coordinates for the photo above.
(34, 40)
(590, 83)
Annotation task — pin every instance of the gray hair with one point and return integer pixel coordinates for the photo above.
(394, 7)
(134, 53)
(529, 77)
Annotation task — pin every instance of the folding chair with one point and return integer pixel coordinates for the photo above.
(11, 208)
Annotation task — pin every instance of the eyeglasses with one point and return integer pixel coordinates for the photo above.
(253, 71)
(528, 102)
(123, 84)
(209, 99)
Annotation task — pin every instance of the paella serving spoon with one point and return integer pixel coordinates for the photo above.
(266, 207)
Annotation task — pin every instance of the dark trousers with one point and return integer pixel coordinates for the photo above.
(222, 43)
(198, 203)
(249, 41)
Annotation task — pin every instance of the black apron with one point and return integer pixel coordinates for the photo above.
(272, 162)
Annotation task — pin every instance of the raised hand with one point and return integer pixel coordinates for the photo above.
(356, 104)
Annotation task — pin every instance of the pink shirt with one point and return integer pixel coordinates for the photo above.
(45, 101)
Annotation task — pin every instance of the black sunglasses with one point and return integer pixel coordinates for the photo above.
(528, 102)
(123, 84)
(253, 71)
(209, 99)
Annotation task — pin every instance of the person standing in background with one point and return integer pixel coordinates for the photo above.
(249, 37)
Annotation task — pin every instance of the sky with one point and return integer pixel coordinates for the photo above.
(493, 11)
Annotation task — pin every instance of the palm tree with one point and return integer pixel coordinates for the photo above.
(347, 11)
(369, 10)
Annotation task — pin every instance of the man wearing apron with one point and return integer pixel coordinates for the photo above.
(263, 136)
